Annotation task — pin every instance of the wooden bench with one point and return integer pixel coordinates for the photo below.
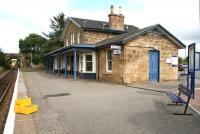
(176, 98)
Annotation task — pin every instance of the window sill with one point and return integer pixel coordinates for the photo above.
(107, 73)
(88, 72)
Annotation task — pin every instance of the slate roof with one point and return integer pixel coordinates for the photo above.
(95, 25)
(103, 26)
(131, 32)
(123, 38)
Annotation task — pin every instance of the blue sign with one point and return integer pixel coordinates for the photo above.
(191, 68)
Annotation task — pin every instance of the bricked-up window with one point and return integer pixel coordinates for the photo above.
(72, 38)
(109, 60)
(88, 60)
(78, 37)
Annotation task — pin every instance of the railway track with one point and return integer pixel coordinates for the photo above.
(7, 84)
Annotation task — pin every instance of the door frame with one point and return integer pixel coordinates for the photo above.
(158, 77)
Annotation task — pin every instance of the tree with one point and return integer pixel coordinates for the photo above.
(185, 60)
(34, 44)
(2, 59)
(56, 24)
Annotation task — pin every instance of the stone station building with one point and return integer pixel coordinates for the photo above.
(114, 51)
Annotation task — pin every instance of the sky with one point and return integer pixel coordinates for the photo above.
(19, 18)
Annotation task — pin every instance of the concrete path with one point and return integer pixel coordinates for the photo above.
(89, 107)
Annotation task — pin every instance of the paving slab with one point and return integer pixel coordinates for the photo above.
(89, 107)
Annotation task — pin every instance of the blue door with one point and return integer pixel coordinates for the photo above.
(153, 66)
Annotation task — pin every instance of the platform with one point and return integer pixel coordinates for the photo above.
(88, 107)
(24, 124)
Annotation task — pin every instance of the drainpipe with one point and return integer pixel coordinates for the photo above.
(98, 63)
(124, 66)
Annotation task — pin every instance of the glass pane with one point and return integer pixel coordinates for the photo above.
(109, 65)
(88, 57)
(109, 55)
(88, 66)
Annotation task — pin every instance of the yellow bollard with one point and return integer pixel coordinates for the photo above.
(23, 102)
(25, 106)
(29, 109)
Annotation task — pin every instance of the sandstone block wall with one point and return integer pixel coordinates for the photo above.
(137, 58)
(87, 37)
(72, 29)
(117, 67)
(132, 65)
(94, 37)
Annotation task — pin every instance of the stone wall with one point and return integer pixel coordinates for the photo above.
(117, 67)
(94, 37)
(87, 37)
(137, 58)
(133, 66)
(72, 29)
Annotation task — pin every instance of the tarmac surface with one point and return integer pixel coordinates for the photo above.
(92, 107)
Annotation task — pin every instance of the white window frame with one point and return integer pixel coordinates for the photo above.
(107, 62)
(78, 37)
(84, 62)
(88, 61)
(66, 42)
(72, 38)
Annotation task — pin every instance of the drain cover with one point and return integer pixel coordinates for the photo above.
(57, 95)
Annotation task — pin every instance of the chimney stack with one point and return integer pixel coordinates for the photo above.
(116, 21)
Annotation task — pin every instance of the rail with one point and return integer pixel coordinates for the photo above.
(6, 82)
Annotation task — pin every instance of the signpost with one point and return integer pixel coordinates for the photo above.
(116, 49)
(191, 68)
(174, 61)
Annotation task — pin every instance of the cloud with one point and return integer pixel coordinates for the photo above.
(19, 18)
(180, 17)
(11, 32)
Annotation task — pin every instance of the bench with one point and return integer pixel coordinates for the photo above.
(176, 98)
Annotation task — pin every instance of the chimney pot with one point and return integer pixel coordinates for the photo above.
(112, 9)
(120, 10)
